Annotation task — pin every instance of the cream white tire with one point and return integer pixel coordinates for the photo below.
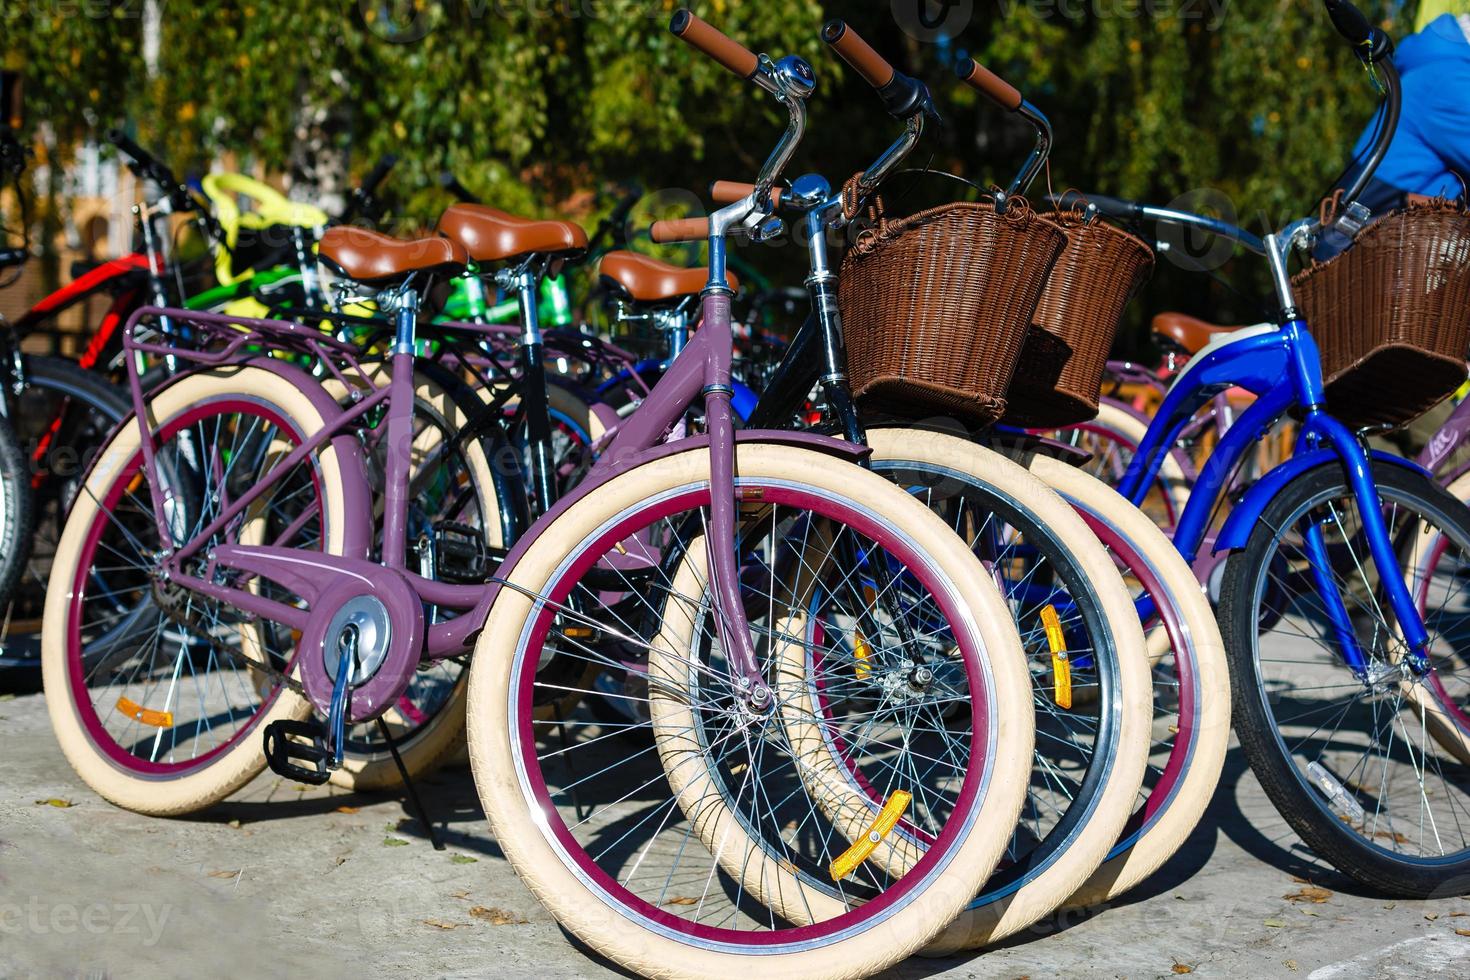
(241, 762)
(1192, 795)
(1090, 843)
(518, 825)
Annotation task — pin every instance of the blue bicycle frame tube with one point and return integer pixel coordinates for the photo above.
(1283, 369)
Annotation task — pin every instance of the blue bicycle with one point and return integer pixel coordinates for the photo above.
(1343, 603)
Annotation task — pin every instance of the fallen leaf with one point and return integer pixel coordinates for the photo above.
(682, 900)
(1275, 923)
(225, 874)
(1300, 881)
(1182, 968)
(1431, 916)
(1456, 915)
(1391, 905)
(60, 804)
(1462, 932)
(235, 823)
(496, 917)
(394, 842)
(1308, 893)
(1316, 915)
(442, 925)
(348, 809)
(462, 859)
(1291, 965)
(462, 893)
(341, 861)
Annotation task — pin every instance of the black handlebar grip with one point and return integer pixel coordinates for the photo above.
(1350, 22)
(380, 170)
(144, 164)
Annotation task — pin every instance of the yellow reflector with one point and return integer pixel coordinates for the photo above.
(578, 632)
(1061, 667)
(846, 862)
(862, 652)
(153, 719)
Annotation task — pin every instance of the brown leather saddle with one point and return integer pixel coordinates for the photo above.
(648, 280)
(375, 259)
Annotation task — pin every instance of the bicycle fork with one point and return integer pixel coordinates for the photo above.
(1319, 428)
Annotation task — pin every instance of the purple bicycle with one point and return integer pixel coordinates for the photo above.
(236, 509)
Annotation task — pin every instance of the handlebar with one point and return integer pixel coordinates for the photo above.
(730, 191)
(900, 94)
(361, 201)
(142, 163)
(1133, 211)
(461, 193)
(869, 64)
(989, 84)
(1369, 43)
(675, 230)
(1008, 97)
(1375, 49)
(734, 56)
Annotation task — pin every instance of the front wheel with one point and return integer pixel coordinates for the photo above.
(1350, 756)
(612, 839)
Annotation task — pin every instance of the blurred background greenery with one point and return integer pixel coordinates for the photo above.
(544, 106)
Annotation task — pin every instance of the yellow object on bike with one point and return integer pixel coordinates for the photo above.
(268, 207)
(1061, 665)
(893, 810)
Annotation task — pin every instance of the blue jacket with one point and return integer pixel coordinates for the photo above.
(1432, 142)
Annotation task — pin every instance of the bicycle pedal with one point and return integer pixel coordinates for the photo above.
(290, 742)
(461, 555)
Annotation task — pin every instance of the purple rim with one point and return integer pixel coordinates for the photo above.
(545, 806)
(86, 712)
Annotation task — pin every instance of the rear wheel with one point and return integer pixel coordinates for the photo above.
(157, 694)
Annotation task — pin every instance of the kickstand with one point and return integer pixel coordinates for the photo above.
(413, 794)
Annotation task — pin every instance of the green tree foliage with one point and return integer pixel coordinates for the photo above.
(539, 104)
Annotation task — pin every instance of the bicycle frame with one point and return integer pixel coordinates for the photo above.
(702, 371)
(1281, 366)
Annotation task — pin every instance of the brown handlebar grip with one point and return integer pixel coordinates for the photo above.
(730, 191)
(735, 56)
(871, 65)
(989, 84)
(679, 230)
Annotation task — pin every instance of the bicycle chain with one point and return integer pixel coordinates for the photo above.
(193, 625)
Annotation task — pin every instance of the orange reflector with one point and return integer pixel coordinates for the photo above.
(153, 719)
(578, 632)
(1061, 666)
(846, 862)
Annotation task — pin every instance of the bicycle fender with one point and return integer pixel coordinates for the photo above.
(1243, 518)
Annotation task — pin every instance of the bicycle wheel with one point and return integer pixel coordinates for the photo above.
(167, 720)
(1348, 757)
(15, 514)
(452, 492)
(1111, 439)
(1092, 713)
(61, 420)
(1191, 717)
(598, 832)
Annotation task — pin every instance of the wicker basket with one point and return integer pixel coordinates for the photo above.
(935, 306)
(1059, 375)
(1391, 315)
